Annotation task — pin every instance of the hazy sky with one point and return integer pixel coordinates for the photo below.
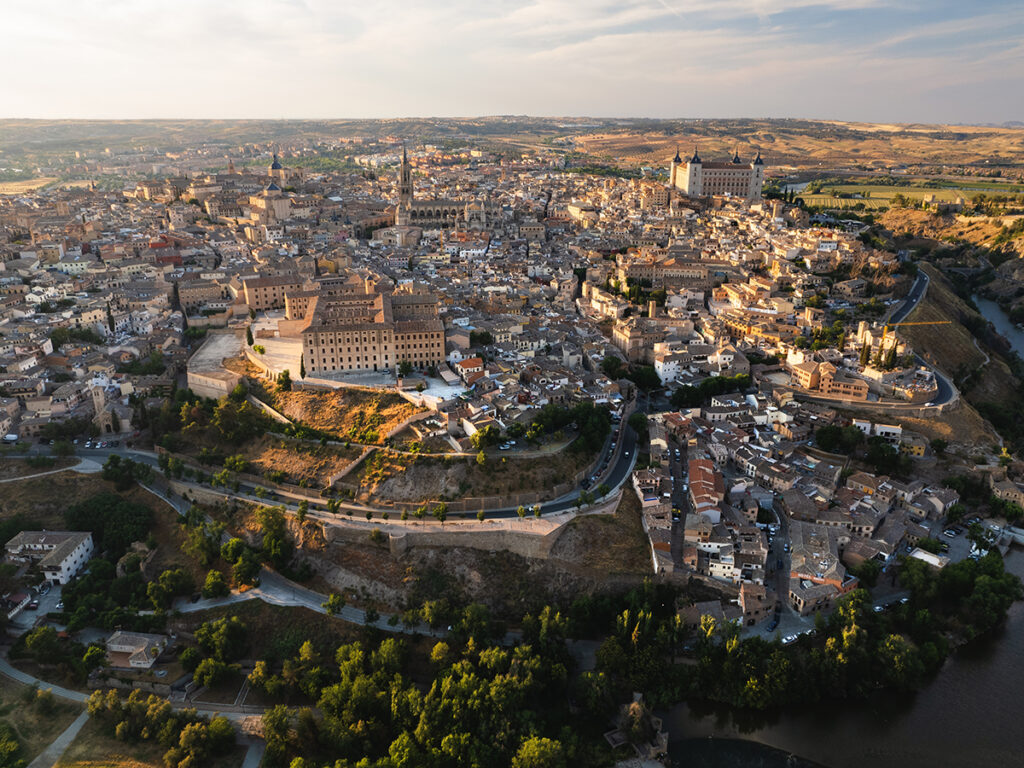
(876, 60)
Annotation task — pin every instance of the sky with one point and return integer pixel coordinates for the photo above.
(933, 61)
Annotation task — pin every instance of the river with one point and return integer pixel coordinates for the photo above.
(967, 716)
(995, 315)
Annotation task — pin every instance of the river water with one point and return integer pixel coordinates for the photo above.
(967, 716)
(995, 315)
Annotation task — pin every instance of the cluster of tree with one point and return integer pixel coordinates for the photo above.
(644, 376)
(202, 536)
(592, 422)
(170, 584)
(10, 748)
(824, 337)
(187, 418)
(69, 429)
(690, 396)
(853, 652)
(62, 336)
(124, 473)
(190, 739)
(488, 436)
(72, 660)
(100, 597)
(480, 338)
(485, 705)
(875, 451)
(219, 645)
(114, 521)
(245, 564)
(836, 439)
(153, 365)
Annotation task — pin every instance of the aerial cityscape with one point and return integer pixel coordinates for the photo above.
(333, 437)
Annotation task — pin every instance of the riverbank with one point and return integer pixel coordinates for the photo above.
(996, 315)
(964, 717)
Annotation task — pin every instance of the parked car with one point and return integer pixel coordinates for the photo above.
(32, 606)
(60, 605)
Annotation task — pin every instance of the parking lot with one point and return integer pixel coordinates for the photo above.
(27, 618)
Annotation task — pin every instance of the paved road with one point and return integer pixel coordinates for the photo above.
(912, 299)
(275, 589)
(49, 756)
(617, 475)
(21, 677)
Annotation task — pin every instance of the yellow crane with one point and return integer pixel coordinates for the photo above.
(885, 329)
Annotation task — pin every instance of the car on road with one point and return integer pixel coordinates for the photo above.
(789, 639)
(44, 589)
(774, 625)
(879, 608)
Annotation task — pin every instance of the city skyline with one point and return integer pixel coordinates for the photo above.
(861, 60)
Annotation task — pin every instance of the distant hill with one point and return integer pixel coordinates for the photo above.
(807, 144)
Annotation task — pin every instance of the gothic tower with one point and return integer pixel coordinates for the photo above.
(404, 191)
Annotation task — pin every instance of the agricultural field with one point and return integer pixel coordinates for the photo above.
(878, 196)
(807, 143)
(25, 186)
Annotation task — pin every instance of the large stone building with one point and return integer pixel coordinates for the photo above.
(428, 214)
(695, 178)
(372, 331)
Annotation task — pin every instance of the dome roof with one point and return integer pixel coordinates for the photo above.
(276, 165)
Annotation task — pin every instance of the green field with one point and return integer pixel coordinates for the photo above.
(876, 196)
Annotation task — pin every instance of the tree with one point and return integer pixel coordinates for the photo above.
(536, 510)
(259, 349)
(481, 458)
(481, 515)
(224, 639)
(300, 515)
(611, 365)
(302, 366)
(521, 511)
(537, 752)
(333, 604)
(441, 512)
(248, 336)
(215, 586)
(638, 422)
(284, 381)
(939, 446)
(404, 368)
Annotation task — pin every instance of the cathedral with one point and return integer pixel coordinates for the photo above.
(426, 214)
